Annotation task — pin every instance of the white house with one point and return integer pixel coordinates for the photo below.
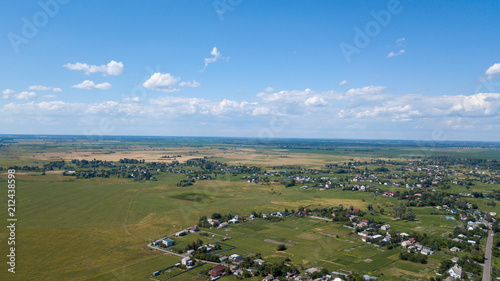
(385, 227)
(406, 243)
(187, 261)
(235, 257)
(455, 272)
(168, 242)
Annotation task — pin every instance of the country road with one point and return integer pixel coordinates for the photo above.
(179, 255)
(487, 258)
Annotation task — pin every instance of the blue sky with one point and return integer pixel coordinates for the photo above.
(424, 70)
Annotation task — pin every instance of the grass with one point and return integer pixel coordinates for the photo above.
(97, 229)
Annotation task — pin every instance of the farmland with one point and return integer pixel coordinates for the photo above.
(98, 228)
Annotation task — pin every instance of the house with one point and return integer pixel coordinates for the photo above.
(455, 272)
(268, 278)
(385, 227)
(223, 258)
(406, 244)
(168, 242)
(455, 249)
(233, 220)
(427, 252)
(471, 242)
(187, 261)
(189, 252)
(194, 229)
(235, 257)
(222, 225)
(212, 221)
(216, 272)
(259, 261)
(312, 270)
(180, 233)
(454, 260)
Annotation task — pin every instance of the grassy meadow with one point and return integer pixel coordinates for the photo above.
(97, 229)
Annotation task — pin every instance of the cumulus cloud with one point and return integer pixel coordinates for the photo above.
(315, 101)
(368, 90)
(134, 99)
(41, 88)
(162, 82)
(25, 95)
(112, 68)
(7, 93)
(343, 82)
(216, 56)
(191, 84)
(261, 111)
(493, 71)
(90, 85)
(392, 54)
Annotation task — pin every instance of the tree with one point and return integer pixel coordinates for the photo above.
(281, 247)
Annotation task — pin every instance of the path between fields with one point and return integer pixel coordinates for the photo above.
(277, 242)
(179, 255)
(320, 218)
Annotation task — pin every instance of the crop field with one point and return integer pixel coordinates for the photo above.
(97, 228)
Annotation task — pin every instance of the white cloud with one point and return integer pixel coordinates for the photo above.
(315, 101)
(44, 88)
(392, 54)
(90, 85)
(162, 82)
(400, 41)
(493, 71)
(7, 93)
(216, 57)
(191, 84)
(134, 99)
(25, 95)
(112, 68)
(343, 82)
(261, 111)
(52, 105)
(39, 88)
(49, 96)
(368, 90)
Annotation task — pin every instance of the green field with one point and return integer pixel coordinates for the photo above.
(97, 229)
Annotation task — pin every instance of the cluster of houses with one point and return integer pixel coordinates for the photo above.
(220, 270)
(411, 244)
(219, 225)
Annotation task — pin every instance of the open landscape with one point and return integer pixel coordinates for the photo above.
(285, 140)
(86, 213)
